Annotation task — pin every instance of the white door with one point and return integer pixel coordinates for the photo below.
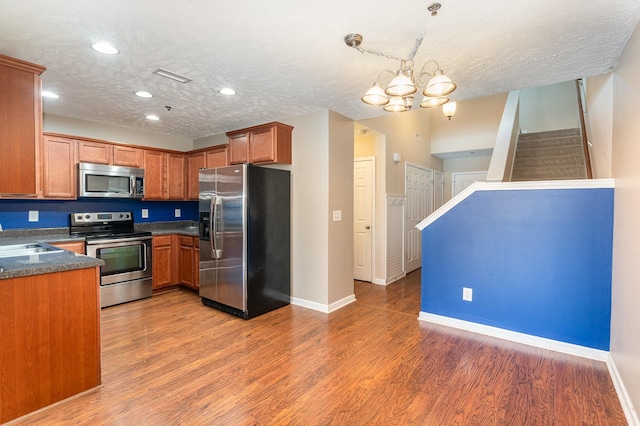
(438, 190)
(419, 193)
(363, 172)
(461, 180)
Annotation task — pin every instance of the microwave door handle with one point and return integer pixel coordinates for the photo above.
(132, 185)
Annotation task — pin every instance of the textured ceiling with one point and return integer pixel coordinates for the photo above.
(286, 57)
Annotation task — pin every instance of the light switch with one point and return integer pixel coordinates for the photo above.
(145, 213)
(337, 215)
(33, 216)
(177, 213)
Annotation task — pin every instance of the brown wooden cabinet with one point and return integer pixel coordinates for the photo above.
(74, 246)
(127, 156)
(95, 152)
(238, 147)
(165, 270)
(50, 339)
(208, 158)
(58, 167)
(20, 126)
(189, 261)
(175, 187)
(153, 175)
(164, 175)
(267, 143)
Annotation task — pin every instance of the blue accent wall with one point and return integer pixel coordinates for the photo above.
(538, 261)
(14, 214)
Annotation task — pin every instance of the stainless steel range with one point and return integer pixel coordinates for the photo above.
(127, 271)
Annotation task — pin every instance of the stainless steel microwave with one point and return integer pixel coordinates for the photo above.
(99, 180)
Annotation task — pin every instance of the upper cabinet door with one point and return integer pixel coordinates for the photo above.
(267, 143)
(153, 175)
(58, 167)
(238, 148)
(176, 189)
(20, 126)
(217, 157)
(95, 152)
(127, 156)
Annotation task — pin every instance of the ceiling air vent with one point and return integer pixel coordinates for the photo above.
(173, 76)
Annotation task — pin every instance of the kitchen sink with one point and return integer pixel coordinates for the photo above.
(27, 249)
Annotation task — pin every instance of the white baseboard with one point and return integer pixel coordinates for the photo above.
(322, 307)
(627, 406)
(379, 281)
(527, 339)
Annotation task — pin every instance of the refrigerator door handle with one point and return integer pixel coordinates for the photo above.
(213, 225)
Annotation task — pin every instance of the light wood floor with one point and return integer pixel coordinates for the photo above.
(169, 360)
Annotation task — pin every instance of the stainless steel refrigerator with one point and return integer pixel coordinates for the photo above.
(245, 239)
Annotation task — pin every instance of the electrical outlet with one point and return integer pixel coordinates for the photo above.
(145, 213)
(467, 294)
(33, 216)
(177, 213)
(337, 215)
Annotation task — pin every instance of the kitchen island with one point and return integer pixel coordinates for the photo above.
(49, 330)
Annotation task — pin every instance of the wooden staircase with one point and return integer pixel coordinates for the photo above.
(553, 155)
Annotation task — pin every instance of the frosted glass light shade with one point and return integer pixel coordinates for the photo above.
(396, 104)
(439, 85)
(375, 95)
(449, 109)
(401, 85)
(429, 102)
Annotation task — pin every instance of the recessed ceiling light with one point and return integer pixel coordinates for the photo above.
(153, 117)
(52, 95)
(144, 94)
(105, 47)
(227, 91)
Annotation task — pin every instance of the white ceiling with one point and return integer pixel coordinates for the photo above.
(287, 57)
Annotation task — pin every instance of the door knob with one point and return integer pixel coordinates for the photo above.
(367, 227)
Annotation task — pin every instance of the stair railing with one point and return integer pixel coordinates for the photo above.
(582, 112)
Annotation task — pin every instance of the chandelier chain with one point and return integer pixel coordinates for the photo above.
(375, 52)
(417, 45)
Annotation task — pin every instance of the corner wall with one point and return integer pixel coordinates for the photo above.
(625, 319)
(536, 263)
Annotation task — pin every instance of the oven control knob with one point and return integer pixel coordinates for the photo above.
(87, 216)
(79, 217)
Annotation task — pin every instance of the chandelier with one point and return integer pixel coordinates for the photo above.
(399, 94)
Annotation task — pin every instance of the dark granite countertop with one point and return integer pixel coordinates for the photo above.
(47, 263)
(182, 227)
(12, 267)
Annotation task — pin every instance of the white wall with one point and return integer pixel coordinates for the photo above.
(474, 127)
(599, 91)
(310, 207)
(469, 163)
(340, 175)
(400, 131)
(211, 140)
(112, 133)
(625, 318)
(552, 107)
